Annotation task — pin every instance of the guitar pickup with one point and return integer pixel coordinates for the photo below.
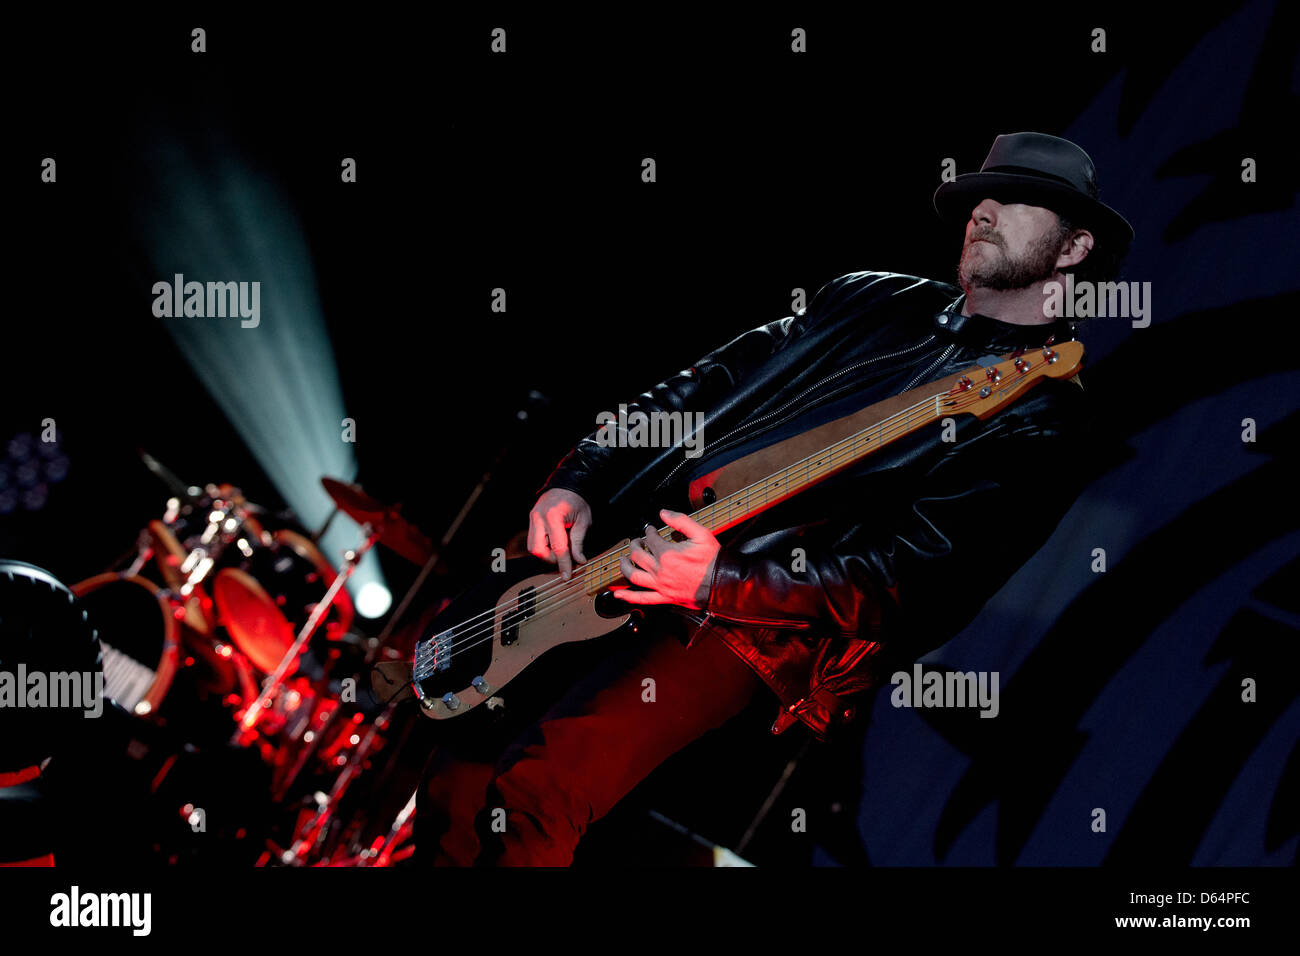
(525, 607)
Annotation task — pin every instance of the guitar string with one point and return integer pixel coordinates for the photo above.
(555, 596)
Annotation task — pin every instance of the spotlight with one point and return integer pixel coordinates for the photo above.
(223, 223)
(373, 599)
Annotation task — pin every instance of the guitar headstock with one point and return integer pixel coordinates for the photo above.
(985, 389)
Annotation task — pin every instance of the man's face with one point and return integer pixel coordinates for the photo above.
(1010, 246)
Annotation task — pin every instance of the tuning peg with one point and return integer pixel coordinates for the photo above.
(1050, 339)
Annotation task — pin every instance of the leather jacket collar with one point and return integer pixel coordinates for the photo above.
(982, 331)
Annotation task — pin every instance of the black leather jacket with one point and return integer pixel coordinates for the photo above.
(902, 550)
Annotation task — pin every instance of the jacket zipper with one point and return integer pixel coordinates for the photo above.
(721, 446)
(782, 623)
(937, 362)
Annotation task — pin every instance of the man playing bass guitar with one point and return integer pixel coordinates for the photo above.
(820, 597)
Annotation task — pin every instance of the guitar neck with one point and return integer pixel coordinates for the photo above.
(1004, 383)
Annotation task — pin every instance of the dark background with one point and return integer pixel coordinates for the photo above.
(775, 171)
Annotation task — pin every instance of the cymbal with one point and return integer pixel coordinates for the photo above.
(395, 532)
(354, 501)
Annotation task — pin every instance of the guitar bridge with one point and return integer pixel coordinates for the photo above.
(433, 655)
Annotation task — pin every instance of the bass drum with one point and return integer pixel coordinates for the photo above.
(138, 635)
(265, 599)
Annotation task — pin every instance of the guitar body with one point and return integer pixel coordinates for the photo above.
(492, 632)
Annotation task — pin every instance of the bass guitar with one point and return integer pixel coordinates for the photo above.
(489, 636)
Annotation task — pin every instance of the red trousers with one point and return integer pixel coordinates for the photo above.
(650, 698)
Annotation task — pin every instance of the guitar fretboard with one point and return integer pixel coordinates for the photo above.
(741, 505)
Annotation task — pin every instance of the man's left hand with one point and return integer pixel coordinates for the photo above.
(678, 572)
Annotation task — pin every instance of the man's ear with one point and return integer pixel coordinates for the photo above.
(1075, 249)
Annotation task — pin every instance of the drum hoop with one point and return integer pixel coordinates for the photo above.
(170, 661)
(167, 543)
(305, 549)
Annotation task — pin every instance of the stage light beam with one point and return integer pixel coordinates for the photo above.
(277, 380)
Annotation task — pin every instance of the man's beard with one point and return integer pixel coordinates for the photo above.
(1003, 272)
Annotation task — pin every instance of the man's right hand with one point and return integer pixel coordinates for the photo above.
(549, 523)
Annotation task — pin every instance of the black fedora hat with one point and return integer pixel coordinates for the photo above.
(1039, 170)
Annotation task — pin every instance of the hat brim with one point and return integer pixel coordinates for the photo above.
(955, 200)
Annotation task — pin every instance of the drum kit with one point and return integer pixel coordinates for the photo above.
(239, 634)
